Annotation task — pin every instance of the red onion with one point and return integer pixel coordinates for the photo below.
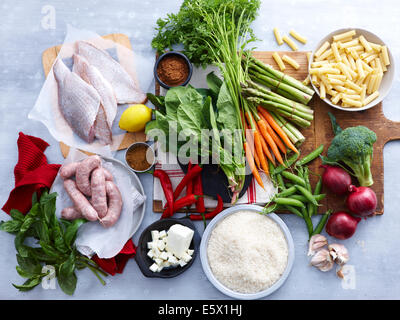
(361, 201)
(336, 179)
(342, 225)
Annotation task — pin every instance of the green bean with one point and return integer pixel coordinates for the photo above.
(317, 190)
(280, 181)
(270, 209)
(294, 210)
(287, 163)
(317, 197)
(287, 192)
(311, 156)
(307, 194)
(289, 201)
(308, 222)
(322, 222)
(294, 178)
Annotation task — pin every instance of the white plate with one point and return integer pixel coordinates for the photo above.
(388, 76)
(219, 285)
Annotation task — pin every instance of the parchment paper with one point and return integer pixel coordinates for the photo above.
(47, 111)
(92, 238)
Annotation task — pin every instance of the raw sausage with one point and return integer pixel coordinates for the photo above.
(81, 203)
(68, 170)
(83, 172)
(70, 213)
(99, 197)
(114, 205)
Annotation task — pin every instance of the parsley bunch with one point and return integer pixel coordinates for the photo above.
(189, 28)
(54, 245)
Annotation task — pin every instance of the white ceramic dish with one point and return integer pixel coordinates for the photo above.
(206, 266)
(388, 76)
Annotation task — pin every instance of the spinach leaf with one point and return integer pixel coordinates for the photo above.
(157, 101)
(214, 83)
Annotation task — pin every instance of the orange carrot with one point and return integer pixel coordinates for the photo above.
(277, 128)
(259, 151)
(266, 150)
(250, 142)
(271, 143)
(253, 168)
(272, 133)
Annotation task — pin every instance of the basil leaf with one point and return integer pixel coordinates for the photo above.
(49, 250)
(66, 276)
(34, 198)
(48, 206)
(10, 226)
(19, 244)
(40, 255)
(72, 229)
(29, 265)
(28, 284)
(17, 215)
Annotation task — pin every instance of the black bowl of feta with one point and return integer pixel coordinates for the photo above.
(167, 248)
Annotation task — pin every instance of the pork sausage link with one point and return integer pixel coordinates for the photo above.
(83, 172)
(108, 175)
(70, 213)
(114, 205)
(68, 170)
(99, 197)
(81, 203)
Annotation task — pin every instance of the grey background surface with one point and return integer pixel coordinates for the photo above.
(24, 36)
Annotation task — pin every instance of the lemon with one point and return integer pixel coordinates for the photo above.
(135, 117)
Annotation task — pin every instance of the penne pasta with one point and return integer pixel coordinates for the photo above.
(298, 37)
(290, 43)
(322, 49)
(291, 61)
(365, 44)
(344, 35)
(385, 56)
(278, 36)
(278, 61)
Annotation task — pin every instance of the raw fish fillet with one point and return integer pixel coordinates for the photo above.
(79, 102)
(124, 86)
(108, 107)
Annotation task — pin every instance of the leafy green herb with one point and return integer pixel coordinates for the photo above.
(189, 27)
(56, 245)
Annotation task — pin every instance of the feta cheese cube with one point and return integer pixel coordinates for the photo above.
(190, 252)
(160, 268)
(155, 235)
(150, 254)
(158, 261)
(162, 234)
(178, 239)
(150, 245)
(156, 251)
(163, 255)
(185, 257)
(161, 245)
(182, 263)
(166, 264)
(173, 260)
(154, 267)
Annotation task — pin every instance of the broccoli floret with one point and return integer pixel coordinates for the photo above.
(354, 147)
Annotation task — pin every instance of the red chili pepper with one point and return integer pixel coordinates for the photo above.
(180, 203)
(189, 187)
(188, 177)
(212, 214)
(198, 189)
(167, 188)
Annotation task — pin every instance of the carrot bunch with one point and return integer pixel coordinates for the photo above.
(265, 141)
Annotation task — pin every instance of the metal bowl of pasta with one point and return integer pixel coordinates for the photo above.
(351, 69)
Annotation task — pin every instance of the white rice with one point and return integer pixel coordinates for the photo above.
(247, 252)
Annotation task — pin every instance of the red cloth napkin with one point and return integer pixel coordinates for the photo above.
(117, 264)
(32, 173)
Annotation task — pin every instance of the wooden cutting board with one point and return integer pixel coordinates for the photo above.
(48, 58)
(320, 132)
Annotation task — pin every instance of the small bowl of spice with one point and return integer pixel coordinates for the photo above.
(173, 69)
(140, 157)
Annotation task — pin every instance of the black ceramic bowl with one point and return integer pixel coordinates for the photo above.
(144, 261)
(176, 53)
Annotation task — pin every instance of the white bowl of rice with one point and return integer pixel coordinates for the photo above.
(245, 254)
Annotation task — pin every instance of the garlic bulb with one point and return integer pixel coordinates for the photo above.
(322, 260)
(316, 243)
(339, 253)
